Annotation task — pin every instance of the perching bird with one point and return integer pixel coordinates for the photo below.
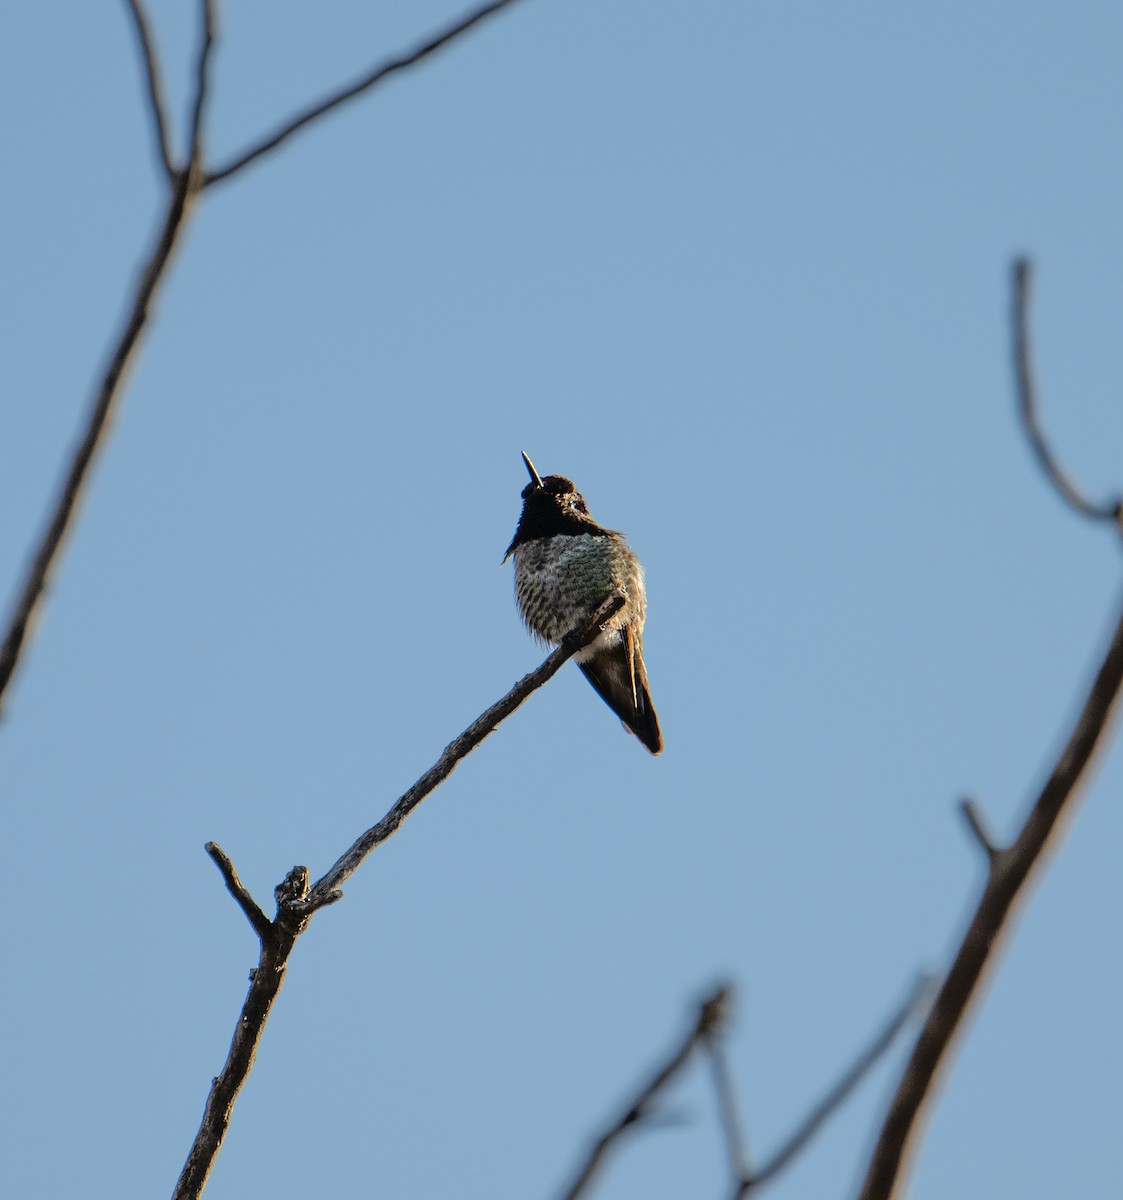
(566, 566)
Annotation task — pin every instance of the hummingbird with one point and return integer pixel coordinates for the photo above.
(566, 566)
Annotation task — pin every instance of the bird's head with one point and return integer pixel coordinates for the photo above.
(551, 505)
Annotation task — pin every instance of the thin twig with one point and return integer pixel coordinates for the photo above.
(1004, 887)
(1111, 510)
(262, 926)
(208, 34)
(838, 1094)
(284, 131)
(977, 826)
(326, 890)
(155, 88)
(708, 1023)
(735, 1141)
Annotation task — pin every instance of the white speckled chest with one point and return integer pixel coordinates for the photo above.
(561, 580)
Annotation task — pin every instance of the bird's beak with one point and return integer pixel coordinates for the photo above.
(530, 468)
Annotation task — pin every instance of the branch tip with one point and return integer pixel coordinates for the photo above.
(208, 36)
(261, 924)
(292, 889)
(977, 826)
(155, 87)
(714, 1012)
(1109, 511)
(374, 77)
(1023, 275)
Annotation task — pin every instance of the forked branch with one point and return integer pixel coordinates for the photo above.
(179, 203)
(1009, 868)
(710, 1019)
(296, 903)
(707, 1033)
(184, 184)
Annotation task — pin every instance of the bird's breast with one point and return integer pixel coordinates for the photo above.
(560, 580)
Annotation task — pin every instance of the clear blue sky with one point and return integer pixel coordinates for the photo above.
(741, 271)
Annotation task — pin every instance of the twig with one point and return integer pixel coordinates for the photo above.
(708, 1033)
(262, 926)
(208, 34)
(284, 131)
(735, 1145)
(326, 890)
(1111, 510)
(1003, 888)
(838, 1094)
(155, 88)
(979, 831)
(711, 1016)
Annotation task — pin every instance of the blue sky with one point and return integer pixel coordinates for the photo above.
(739, 270)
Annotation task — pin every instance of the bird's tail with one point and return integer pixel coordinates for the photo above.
(620, 679)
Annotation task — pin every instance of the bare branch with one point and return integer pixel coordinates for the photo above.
(1004, 886)
(93, 435)
(186, 185)
(977, 826)
(265, 982)
(296, 903)
(181, 198)
(155, 88)
(727, 1109)
(378, 75)
(326, 890)
(1111, 510)
(711, 1016)
(834, 1099)
(262, 926)
(202, 89)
